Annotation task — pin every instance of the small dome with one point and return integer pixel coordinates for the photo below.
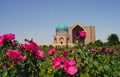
(62, 27)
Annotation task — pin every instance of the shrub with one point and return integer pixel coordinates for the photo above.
(30, 60)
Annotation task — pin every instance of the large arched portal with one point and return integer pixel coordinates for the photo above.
(75, 32)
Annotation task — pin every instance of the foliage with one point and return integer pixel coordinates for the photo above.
(113, 39)
(93, 60)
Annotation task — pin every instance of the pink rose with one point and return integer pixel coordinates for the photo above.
(57, 62)
(26, 46)
(72, 62)
(34, 46)
(51, 51)
(65, 53)
(82, 34)
(15, 55)
(2, 39)
(70, 66)
(9, 37)
(111, 51)
(31, 47)
(104, 50)
(93, 50)
(14, 43)
(40, 54)
(65, 64)
(72, 70)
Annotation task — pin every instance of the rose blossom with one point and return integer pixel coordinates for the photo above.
(93, 50)
(31, 47)
(70, 66)
(110, 51)
(15, 55)
(40, 54)
(51, 51)
(9, 37)
(65, 53)
(57, 61)
(104, 50)
(2, 40)
(14, 43)
(82, 34)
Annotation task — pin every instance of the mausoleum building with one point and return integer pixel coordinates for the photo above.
(66, 35)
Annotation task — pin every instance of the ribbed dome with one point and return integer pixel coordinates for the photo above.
(62, 27)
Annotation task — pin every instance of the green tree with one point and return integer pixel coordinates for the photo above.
(113, 39)
(98, 43)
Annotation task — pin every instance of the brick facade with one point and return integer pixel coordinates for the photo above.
(66, 37)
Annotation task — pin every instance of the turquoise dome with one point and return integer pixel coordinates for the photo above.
(62, 27)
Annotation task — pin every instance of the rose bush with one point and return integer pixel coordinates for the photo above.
(30, 60)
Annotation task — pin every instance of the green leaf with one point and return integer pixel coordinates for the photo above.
(90, 65)
(100, 68)
(96, 63)
(87, 69)
(84, 75)
(106, 75)
(106, 67)
(5, 73)
(91, 60)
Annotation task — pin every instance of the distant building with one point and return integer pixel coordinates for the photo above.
(65, 35)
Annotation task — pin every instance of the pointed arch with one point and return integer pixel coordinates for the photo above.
(55, 40)
(75, 32)
(61, 40)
